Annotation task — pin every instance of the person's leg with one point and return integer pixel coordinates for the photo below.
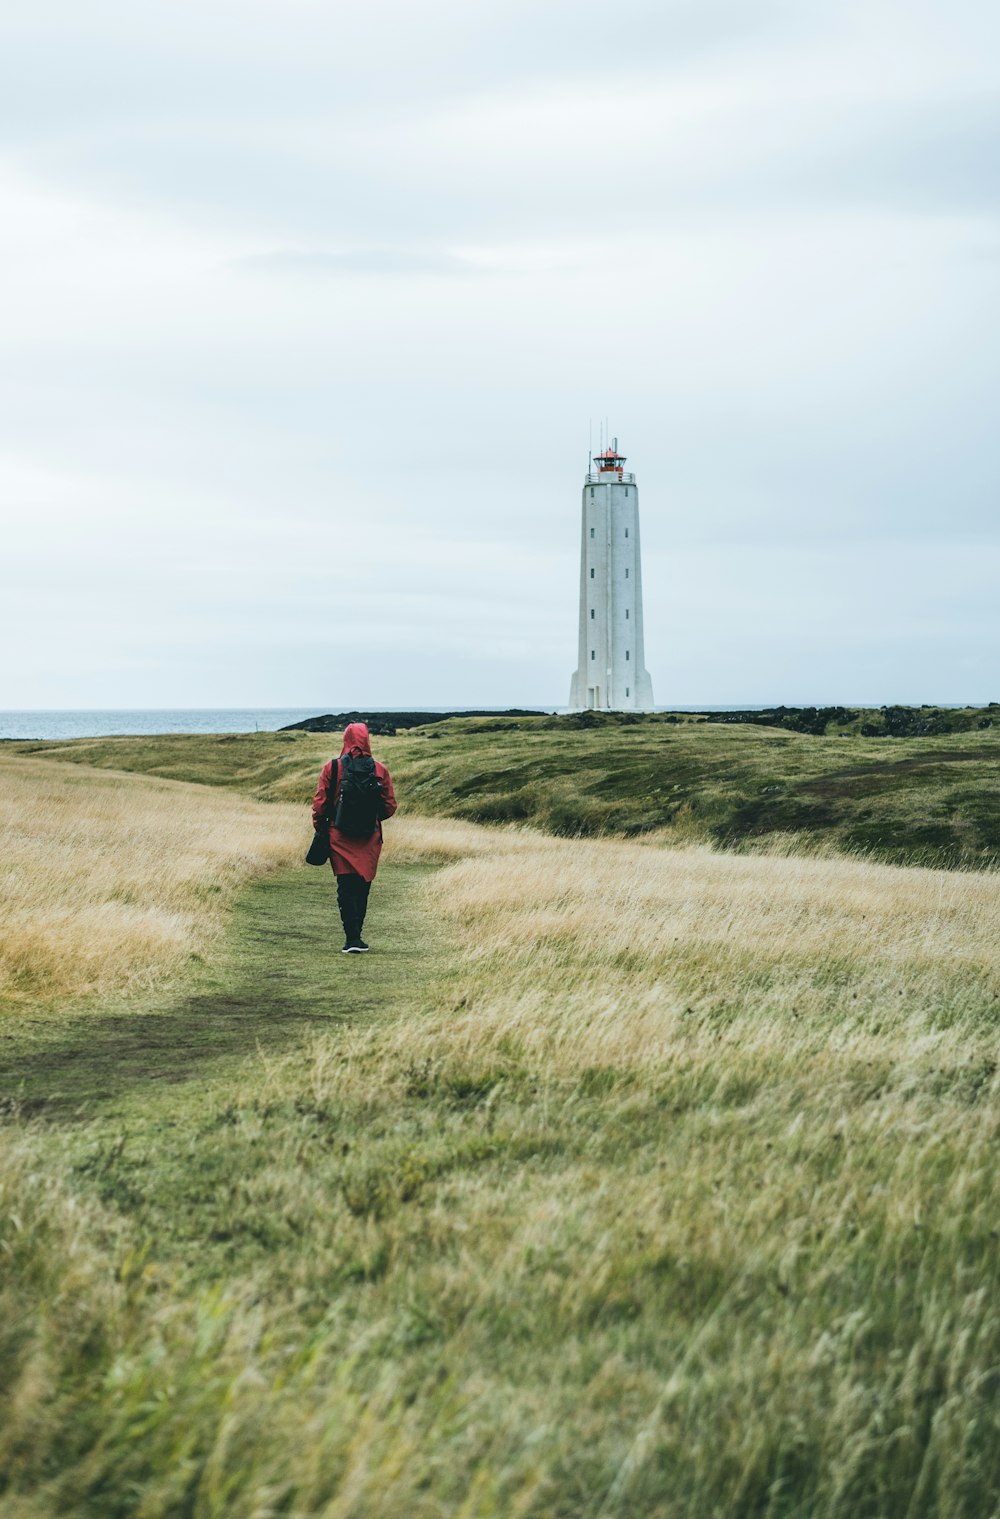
(345, 902)
(363, 888)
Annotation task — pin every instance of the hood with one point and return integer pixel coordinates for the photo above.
(356, 740)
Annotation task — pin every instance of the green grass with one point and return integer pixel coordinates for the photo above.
(508, 1218)
(615, 1183)
(279, 977)
(932, 800)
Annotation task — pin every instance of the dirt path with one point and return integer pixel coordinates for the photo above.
(279, 974)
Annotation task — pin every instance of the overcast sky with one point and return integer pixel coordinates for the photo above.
(307, 308)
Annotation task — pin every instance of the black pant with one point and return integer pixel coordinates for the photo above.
(352, 899)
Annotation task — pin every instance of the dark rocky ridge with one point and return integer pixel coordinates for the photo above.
(386, 723)
(879, 722)
(866, 722)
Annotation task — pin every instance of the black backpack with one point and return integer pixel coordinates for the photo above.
(360, 801)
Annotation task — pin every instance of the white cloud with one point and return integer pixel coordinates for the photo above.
(306, 310)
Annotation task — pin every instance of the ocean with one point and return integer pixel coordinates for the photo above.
(103, 724)
(106, 724)
(99, 723)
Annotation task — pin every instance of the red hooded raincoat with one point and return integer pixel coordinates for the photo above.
(353, 856)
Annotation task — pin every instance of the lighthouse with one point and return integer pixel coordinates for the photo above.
(611, 673)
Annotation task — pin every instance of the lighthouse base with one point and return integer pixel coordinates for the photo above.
(587, 695)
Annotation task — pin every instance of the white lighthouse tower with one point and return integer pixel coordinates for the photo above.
(611, 674)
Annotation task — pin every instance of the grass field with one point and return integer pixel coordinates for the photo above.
(932, 800)
(619, 1180)
(106, 882)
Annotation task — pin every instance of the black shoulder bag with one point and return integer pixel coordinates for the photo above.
(319, 849)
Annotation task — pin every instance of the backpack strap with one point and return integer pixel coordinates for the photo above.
(334, 767)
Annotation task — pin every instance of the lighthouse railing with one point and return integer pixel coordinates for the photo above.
(598, 477)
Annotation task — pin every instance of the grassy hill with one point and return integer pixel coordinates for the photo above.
(930, 799)
(617, 1182)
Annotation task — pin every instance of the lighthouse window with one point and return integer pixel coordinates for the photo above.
(626, 574)
(592, 614)
(593, 653)
(626, 532)
(591, 532)
(591, 493)
(592, 573)
(626, 653)
(626, 614)
(626, 690)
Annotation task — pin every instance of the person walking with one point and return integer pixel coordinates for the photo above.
(362, 789)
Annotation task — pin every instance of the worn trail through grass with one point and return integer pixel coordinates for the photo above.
(280, 977)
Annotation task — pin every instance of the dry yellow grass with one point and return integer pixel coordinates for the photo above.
(677, 1199)
(673, 1196)
(111, 881)
(445, 841)
(729, 1127)
(606, 952)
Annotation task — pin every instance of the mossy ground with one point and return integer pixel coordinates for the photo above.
(931, 800)
(615, 1183)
